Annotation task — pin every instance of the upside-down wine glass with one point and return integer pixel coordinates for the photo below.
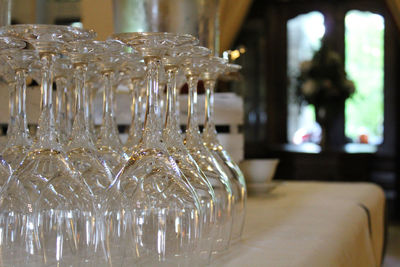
(212, 69)
(84, 156)
(9, 81)
(165, 208)
(192, 67)
(119, 225)
(172, 137)
(108, 142)
(8, 44)
(19, 143)
(46, 214)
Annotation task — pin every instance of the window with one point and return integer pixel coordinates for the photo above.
(364, 54)
(364, 64)
(304, 34)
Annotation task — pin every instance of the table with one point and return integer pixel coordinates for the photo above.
(311, 224)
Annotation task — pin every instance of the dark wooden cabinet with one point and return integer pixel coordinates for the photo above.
(309, 162)
(381, 165)
(325, 166)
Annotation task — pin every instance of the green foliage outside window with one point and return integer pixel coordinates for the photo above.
(365, 66)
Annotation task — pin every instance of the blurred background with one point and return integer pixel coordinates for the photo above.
(319, 88)
(276, 41)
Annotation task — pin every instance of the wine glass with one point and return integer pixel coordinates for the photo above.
(19, 142)
(174, 142)
(192, 67)
(108, 142)
(165, 209)
(47, 212)
(8, 79)
(8, 44)
(212, 69)
(81, 149)
(84, 156)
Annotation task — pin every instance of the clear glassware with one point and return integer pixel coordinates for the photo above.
(47, 213)
(165, 209)
(20, 141)
(63, 74)
(116, 217)
(173, 139)
(8, 44)
(9, 80)
(81, 149)
(135, 70)
(84, 156)
(108, 143)
(212, 69)
(5, 168)
(192, 67)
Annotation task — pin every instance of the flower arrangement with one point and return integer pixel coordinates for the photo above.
(323, 81)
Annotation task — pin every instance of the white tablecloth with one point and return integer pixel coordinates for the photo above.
(311, 224)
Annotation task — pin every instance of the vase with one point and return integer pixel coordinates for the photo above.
(330, 117)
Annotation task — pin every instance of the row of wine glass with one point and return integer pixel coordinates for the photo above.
(70, 197)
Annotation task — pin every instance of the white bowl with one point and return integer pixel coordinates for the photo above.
(259, 170)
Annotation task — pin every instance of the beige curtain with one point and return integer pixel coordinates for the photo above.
(98, 15)
(232, 15)
(394, 8)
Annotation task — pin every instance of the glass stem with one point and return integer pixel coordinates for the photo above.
(61, 104)
(22, 125)
(108, 128)
(152, 134)
(192, 124)
(172, 110)
(107, 98)
(135, 123)
(60, 84)
(11, 105)
(80, 126)
(209, 124)
(91, 93)
(47, 135)
(86, 102)
(70, 108)
(80, 90)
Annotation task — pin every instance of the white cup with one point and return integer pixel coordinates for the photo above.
(258, 171)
